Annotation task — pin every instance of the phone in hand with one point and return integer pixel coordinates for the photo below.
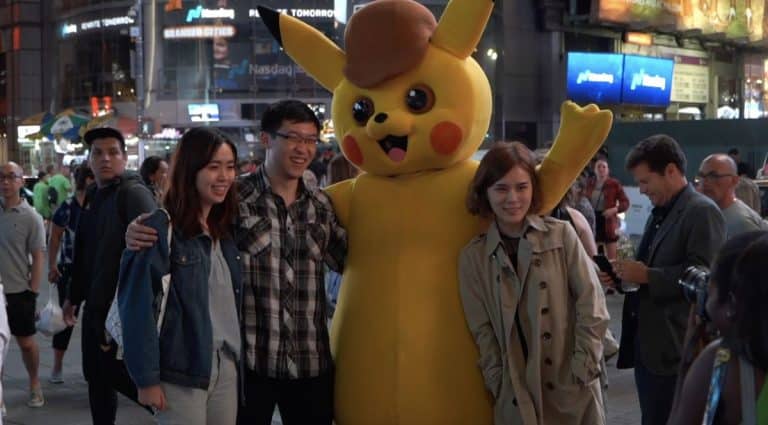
(606, 267)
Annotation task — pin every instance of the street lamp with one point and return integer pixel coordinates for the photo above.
(137, 31)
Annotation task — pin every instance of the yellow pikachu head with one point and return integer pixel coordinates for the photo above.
(407, 95)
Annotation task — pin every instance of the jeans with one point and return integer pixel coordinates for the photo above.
(656, 394)
(307, 401)
(105, 375)
(195, 406)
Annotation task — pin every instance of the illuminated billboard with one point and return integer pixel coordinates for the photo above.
(203, 112)
(647, 80)
(734, 18)
(609, 78)
(595, 77)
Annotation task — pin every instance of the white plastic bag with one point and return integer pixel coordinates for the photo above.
(51, 318)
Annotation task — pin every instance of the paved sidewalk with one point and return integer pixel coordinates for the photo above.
(67, 403)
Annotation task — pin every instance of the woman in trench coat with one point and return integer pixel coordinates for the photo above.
(532, 301)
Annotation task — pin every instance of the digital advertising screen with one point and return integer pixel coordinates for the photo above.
(595, 77)
(647, 80)
(203, 112)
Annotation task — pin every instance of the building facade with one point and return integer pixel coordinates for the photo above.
(174, 64)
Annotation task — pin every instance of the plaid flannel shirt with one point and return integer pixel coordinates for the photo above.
(285, 308)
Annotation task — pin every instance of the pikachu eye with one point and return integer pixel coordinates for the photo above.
(420, 99)
(362, 110)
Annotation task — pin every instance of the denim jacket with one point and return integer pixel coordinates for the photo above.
(182, 353)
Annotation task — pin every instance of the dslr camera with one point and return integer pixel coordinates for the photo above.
(694, 283)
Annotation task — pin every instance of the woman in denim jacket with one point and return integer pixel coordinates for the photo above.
(189, 371)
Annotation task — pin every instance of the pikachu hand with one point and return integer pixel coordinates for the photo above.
(582, 131)
(589, 124)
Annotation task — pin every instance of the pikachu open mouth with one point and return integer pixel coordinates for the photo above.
(395, 147)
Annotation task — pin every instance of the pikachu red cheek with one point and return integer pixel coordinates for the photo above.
(352, 149)
(445, 137)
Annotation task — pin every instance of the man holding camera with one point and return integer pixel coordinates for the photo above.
(684, 229)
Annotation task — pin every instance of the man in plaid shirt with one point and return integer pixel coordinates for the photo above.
(287, 232)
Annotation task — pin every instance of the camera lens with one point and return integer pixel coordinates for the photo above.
(694, 282)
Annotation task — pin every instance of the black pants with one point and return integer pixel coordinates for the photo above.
(61, 339)
(301, 401)
(656, 393)
(105, 375)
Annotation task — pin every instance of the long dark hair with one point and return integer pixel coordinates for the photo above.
(739, 273)
(196, 149)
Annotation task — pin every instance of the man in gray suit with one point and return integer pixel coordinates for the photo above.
(685, 228)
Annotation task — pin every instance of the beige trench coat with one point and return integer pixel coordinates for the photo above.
(563, 317)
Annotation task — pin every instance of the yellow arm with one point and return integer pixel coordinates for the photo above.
(341, 196)
(582, 132)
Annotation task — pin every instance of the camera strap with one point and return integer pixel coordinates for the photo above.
(716, 383)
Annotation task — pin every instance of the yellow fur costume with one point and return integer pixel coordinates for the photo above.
(410, 107)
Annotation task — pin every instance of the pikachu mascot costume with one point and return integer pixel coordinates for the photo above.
(410, 107)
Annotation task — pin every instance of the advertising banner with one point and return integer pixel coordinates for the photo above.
(595, 77)
(222, 45)
(690, 84)
(647, 80)
(738, 19)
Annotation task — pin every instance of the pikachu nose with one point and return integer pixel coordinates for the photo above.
(380, 118)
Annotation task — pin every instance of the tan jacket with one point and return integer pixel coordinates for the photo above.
(563, 318)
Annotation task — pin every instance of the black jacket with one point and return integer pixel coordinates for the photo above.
(655, 317)
(99, 243)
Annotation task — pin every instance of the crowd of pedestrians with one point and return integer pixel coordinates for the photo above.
(225, 285)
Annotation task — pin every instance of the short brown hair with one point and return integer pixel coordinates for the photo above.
(196, 149)
(496, 163)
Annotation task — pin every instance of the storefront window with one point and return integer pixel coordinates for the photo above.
(93, 55)
(754, 90)
(96, 65)
(220, 48)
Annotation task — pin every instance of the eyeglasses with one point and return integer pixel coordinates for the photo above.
(295, 138)
(713, 176)
(9, 177)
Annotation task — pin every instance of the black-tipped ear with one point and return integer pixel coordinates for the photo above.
(271, 19)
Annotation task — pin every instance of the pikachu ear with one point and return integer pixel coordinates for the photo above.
(462, 25)
(319, 56)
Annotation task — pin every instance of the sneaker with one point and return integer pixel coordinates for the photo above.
(56, 378)
(36, 398)
(2, 409)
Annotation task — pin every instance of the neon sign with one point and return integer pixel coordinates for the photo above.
(200, 13)
(300, 13)
(68, 29)
(199, 31)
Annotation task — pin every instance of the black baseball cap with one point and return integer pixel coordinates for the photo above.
(103, 133)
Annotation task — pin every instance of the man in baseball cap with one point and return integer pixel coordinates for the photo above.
(118, 197)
